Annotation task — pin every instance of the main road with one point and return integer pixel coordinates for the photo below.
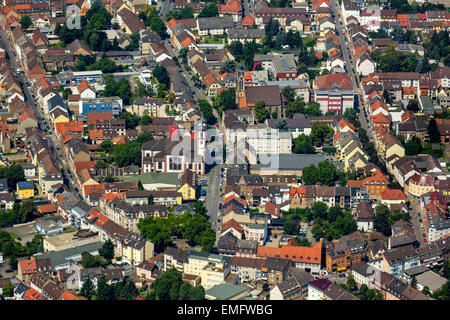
(40, 117)
(350, 63)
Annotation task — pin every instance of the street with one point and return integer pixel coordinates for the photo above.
(40, 117)
(413, 212)
(213, 197)
(351, 65)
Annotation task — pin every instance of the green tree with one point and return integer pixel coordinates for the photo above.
(25, 22)
(296, 106)
(207, 111)
(433, 131)
(291, 227)
(8, 289)
(87, 289)
(197, 293)
(319, 210)
(107, 250)
(446, 269)
(319, 133)
(27, 211)
(413, 105)
(313, 109)
(414, 282)
(289, 93)
(107, 146)
(381, 222)
(161, 74)
(310, 175)
(104, 291)
(327, 173)
(282, 125)
(185, 291)
(350, 115)
(303, 144)
(261, 112)
(351, 284)
(89, 261)
(413, 146)
(209, 11)
(140, 186)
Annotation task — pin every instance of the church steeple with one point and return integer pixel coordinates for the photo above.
(240, 90)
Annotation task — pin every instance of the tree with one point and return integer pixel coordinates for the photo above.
(88, 260)
(351, 284)
(327, 173)
(87, 289)
(302, 144)
(197, 293)
(414, 282)
(289, 93)
(313, 109)
(446, 269)
(107, 146)
(161, 74)
(185, 291)
(282, 125)
(140, 186)
(426, 291)
(25, 22)
(413, 146)
(350, 115)
(381, 222)
(261, 112)
(333, 213)
(8, 289)
(107, 250)
(27, 211)
(413, 106)
(14, 173)
(228, 67)
(226, 100)
(296, 106)
(104, 291)
(291, 227)
(209, 11)
(310, 175)
(207, 110)
(319, 210)
(433, 131)
(319, 133)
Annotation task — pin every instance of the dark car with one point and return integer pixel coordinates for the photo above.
(9, 271)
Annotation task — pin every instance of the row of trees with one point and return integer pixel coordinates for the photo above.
(325, 173)
(170, 286)
(151, 19)
(332, 223)
(124, 290)
(195, 228)
(119, 88)
(14, 173)
(12, 249)
(21, 212)
(384, 219)
(364, 293)
(129, 153)
(298, 106)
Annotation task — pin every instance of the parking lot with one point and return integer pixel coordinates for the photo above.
(24, 232)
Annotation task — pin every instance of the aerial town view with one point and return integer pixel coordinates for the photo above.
(251, 150)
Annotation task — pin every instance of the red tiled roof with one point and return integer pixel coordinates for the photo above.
(393, 194)
(32, 294)
(28, 266)
(380, 118)
(293, 252)
(47, 208)
(343, 124)
(80, 165)
(232, 224)
(248, 21)
(94, 116)
(330, 81)
(94, 189)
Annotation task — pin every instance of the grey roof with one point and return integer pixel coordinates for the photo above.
(295, 161)
(56, 101)
(62, 257)
(225, 291)
(225, 22)
(431, 280)
(292, 123)
(246, 33)
(412, 272)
